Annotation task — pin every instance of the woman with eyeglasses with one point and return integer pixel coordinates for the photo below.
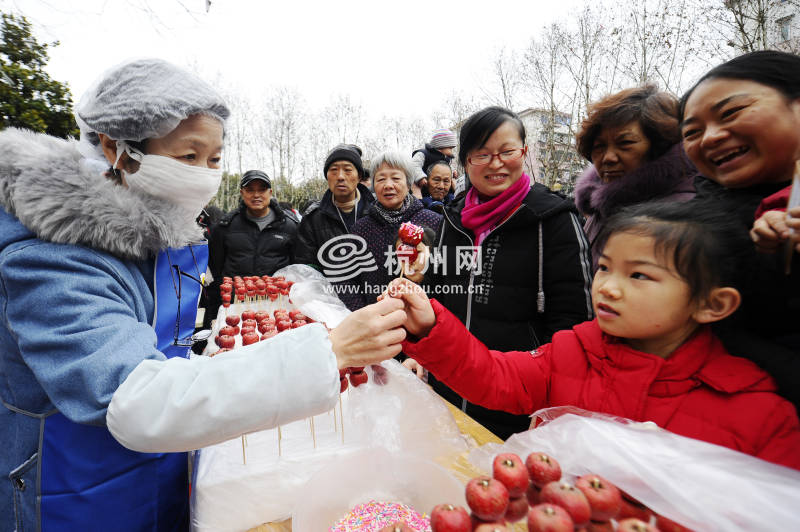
(510, 260)
(101, 264)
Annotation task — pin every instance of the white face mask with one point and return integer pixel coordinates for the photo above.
(188, 187)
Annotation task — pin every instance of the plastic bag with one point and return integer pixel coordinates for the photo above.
(697, 484)
(401, 415)
(314, 295)
(373, 474)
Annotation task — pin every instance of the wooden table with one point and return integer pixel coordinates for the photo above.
(461, 468)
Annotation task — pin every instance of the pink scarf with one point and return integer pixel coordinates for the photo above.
(481, 218)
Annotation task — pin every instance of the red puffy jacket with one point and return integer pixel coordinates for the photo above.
(700, 391)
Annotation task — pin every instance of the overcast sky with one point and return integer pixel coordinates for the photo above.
(396, 58)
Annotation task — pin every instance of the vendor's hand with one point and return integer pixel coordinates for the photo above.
(420, 318)
(369, 335)
(416, 367)
(770, 231)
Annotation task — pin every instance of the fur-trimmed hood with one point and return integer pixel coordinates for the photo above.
(671, 174)
(64, 198)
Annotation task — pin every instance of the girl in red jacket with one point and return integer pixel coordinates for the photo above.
(666, 272)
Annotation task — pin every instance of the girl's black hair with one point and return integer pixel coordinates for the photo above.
(480, 126)
(779, 70)
(709, 248)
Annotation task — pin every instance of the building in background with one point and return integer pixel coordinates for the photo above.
(553, 159)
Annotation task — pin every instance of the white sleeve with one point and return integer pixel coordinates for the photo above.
(181, 404)
(419, 159)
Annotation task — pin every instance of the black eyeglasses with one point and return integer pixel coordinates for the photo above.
(199, 336)
(506, 156)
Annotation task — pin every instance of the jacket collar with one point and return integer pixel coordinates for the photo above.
(415, 207)
(537, 205)
(701, 360)
(274, 207)
(671, 173)
(64, 198)
(326, 203)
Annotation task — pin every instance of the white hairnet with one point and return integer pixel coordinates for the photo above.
(142, 99)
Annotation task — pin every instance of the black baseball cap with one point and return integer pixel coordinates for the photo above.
(252, 175)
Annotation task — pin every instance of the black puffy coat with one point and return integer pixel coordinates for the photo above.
(515, 304)
(766, 328)
(323, 221)
(238, 247)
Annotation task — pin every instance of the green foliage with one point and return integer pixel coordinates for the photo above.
(28, 97)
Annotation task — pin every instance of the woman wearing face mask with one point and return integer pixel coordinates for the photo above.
(741, 128)
(632, 138)
(533, 275)
(100, 271)
(394, 205)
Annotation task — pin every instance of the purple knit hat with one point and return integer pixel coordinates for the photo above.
(443, 138)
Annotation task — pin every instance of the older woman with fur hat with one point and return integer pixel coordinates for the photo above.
(632, 138)
(101, 265)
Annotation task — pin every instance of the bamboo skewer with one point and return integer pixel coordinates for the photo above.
(341, 416)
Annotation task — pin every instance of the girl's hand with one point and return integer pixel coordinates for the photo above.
(770, 231)
(415, 272)
(415, 366)
(420, 318)
(793, 223)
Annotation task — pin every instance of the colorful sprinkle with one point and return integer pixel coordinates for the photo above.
(374, 515)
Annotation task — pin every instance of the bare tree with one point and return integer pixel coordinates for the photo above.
(506, 82)
(659, 41)
(749, 25)
(590, 61)
(454, 110)
(550, 134)
(344, 119)
(283, 123)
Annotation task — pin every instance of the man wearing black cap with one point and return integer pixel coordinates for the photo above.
(257, 239)
(345, 201)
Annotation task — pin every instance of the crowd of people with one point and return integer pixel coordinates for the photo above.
(664, 291)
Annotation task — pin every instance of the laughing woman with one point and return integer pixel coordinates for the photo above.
(532, 277)
(741, 128)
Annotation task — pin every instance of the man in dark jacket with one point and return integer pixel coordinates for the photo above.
(257, 239)
(345, 201)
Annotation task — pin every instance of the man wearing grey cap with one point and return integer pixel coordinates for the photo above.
(256, 239)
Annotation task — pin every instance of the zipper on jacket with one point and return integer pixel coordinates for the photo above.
(468, 318)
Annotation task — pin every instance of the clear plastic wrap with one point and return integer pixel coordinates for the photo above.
(373, 474)
(402, 415)
(700, 485)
